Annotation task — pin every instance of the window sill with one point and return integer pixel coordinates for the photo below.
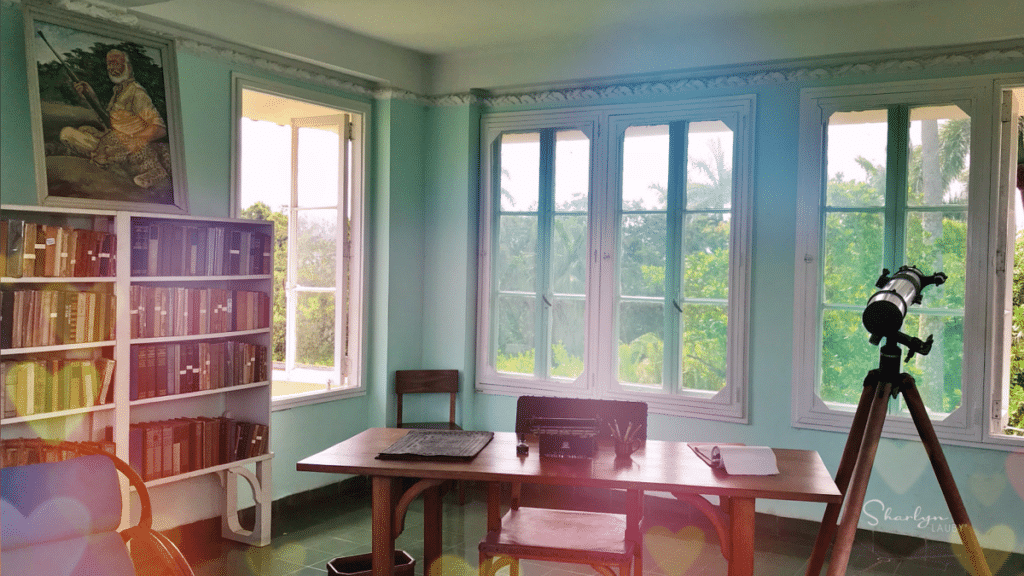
(296, 400)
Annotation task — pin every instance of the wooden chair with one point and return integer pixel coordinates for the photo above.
(607, 541)
(428, 382)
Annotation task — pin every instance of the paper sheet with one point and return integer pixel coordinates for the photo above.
(739, 460)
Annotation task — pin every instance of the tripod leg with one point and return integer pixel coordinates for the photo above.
(859, 482)
(946, 482)
(827, 531)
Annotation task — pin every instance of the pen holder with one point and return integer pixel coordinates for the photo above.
(623, 449)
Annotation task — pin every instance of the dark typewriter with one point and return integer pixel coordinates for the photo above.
(570, 438)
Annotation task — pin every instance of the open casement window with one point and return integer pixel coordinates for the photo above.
(300, 164)
(1006, 379)
(886, 181)
(615, 242)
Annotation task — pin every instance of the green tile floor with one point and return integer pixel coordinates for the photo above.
(679, 543)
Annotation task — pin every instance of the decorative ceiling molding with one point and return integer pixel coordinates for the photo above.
(681, 82)
(782, 73)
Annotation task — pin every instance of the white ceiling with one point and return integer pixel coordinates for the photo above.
(438, 27)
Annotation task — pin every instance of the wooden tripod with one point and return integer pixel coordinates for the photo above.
(859, 455)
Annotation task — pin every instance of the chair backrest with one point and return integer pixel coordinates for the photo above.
(427, 382)
(62, 518)
(606, 412)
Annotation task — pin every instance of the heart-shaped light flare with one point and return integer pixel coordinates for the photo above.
(674, 552)
(995, 542)
(900, 464)
(987, 488)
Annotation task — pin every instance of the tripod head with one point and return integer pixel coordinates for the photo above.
(883, 317)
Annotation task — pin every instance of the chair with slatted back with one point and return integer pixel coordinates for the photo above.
(608, 541)
(428, 382)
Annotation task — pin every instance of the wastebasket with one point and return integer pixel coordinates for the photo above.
(362, 565)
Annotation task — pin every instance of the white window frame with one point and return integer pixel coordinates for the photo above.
(974, 95)
(352, 262)
(605, 125)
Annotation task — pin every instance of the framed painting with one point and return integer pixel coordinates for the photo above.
(106, 125)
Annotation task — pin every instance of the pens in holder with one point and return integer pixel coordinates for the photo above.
(625, 442)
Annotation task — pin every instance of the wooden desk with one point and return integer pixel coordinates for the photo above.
(659, 466)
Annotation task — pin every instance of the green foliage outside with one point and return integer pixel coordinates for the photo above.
(315, 312)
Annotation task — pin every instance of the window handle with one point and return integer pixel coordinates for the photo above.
(545, 298)
(676, 304)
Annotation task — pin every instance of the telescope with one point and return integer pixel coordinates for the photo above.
(887, 308)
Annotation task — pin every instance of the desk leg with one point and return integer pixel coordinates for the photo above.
(383, 555)
(741, 520)
(432, 518)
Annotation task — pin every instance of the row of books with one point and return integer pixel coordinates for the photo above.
(28, 249)
(158, 311)
(43, 386)
(51, 317)
(168, 369)
(23, 451)
(170, 447)
(186, 249)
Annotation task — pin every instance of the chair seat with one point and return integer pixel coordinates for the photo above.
(571, 536)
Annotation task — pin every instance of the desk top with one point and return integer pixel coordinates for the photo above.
(659, 466)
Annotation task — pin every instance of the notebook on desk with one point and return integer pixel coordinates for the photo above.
(737, 459)
(438, 445)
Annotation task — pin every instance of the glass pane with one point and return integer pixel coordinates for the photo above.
(709, 178)
(938, 374)
(642, 261)
(514, 317)
(937, 241)
(856, 158)
(1015, 422)
(940, 146)
(645, 168)
(517, 253)
(706, 256)
(641, 346)
(704, 347)
(315, 241)
(567, 336)
(318, 166)
(853, 256)
(314, 329)
(846, 356)
(569, 254)
(520, 172)
(572, 171)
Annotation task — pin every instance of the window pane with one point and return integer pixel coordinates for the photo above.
(937, 242)
(703, 351)
(641, 347)
(940, 139)
(706, 256)
(568, 332)
(314, 329)
(846, 356)
(318, 166)
(856, 153)
(315, 241)
(642, 264)
(520, 172)
(569, 254)
(645, 168)
(572, 171)
(517, 254)
(938, 374)
(514, 320)
(709, 178)
(853, 256)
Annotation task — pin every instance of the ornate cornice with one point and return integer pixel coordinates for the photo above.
(824, 69)
(780, 73)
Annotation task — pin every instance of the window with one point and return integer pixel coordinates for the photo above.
(299, 163)
(614, 246)
(890, 178)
